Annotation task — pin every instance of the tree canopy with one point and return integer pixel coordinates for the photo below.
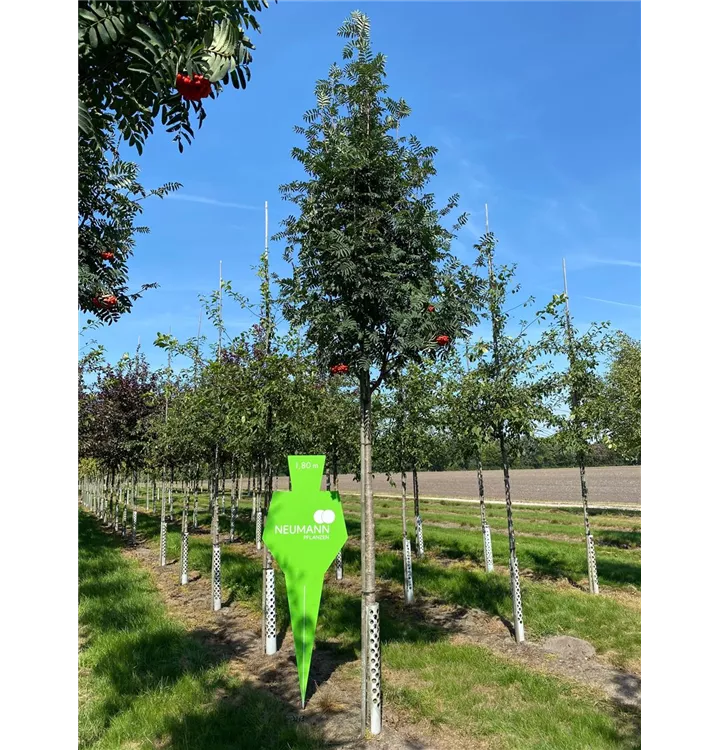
(139, 64)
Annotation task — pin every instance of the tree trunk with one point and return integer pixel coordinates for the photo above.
(171, 498)
(590, 549)
(339, 561)
(406, 546)
(163, 531)
(513, 561)
(371, 651)
(253, 493)
(134, 508)
(270, 605)
(485, 530)
(335, 470)
(216, 559)
(417, 514)
(258, 525)
(184, 554)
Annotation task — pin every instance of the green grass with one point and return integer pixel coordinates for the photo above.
(548, 558)
(602, 537)
(545, 557)
(546, 521)
(146, 682)
(469, 690)
(613, 629)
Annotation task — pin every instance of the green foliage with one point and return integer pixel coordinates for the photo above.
(109, 201)
(508, 391)
(116, 413)
(411, 417)
(368, 249)
(622, 398)
(130, 54)
(580, 385)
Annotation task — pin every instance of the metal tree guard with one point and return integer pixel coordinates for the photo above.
(163, 533)
(184, 553)
(216, 561)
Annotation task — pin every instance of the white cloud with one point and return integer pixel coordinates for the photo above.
(616, 262)
(613, 302)
(582, 261)
(210, 201)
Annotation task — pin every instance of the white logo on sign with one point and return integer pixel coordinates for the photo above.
(324, 516)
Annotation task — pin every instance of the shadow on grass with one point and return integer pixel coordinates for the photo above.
(547, 559)
(241, 717)
(556, 566)
(620, 539)
(148, 677)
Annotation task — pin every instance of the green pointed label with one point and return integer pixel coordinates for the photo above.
(304, 531)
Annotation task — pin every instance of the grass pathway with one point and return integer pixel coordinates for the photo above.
(145, 682)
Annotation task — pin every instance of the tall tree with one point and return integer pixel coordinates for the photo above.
(369, 254)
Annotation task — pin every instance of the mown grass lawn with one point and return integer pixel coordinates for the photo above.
(613, 628)
(144, 682)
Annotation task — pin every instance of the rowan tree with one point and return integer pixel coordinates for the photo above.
(141, 64)
(369, 251)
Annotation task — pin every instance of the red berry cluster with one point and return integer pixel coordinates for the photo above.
(107, 301)
(442, 340)
(431, 308)
(195, 88)
(339, 369)
(107, 255)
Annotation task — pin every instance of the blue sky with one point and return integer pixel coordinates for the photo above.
(535, 110)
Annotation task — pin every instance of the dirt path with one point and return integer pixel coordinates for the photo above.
(234, 633)
(333, 694)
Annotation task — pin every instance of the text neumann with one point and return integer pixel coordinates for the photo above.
(310, 529)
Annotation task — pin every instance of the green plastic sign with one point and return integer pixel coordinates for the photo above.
(304, 531)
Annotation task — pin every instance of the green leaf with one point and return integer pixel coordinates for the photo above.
(84, 119)
(151, 36)
(110, 29)
(102, 31)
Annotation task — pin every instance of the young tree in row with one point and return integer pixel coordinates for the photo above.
(369, 256)
(580, 387)
(472, 436)
(505, 393)
(417, 411)
(117, 411)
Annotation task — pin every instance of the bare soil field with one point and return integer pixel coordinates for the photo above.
(607, 485)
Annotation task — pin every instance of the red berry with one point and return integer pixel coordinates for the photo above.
(442, 340)
(193, 88)
(95, 301)
(431, 308)
(107, 256)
